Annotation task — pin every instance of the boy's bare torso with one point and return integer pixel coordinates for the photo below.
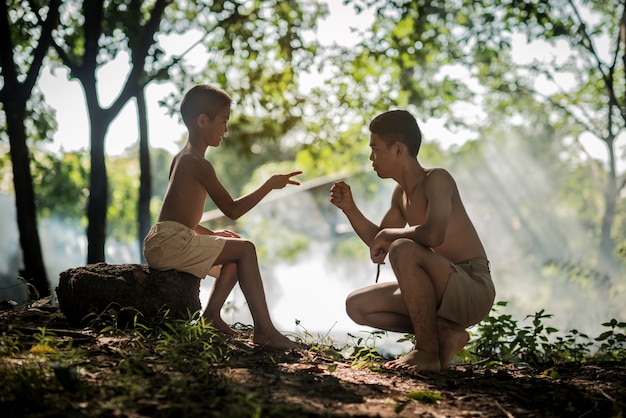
(461, 240)
(186, 194)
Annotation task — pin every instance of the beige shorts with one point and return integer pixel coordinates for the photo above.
(170, 245)
(469, 296)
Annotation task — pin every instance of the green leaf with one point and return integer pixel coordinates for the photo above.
(551, 373)
(492, 364)
(404, 28)
(604, 336)
(424, 396)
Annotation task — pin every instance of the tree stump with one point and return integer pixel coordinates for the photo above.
(100, 287)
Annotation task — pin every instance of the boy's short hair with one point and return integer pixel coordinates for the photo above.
(203, 99)
(398, 125)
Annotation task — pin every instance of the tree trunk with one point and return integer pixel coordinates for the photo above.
(98, 191)
(607, 246)
(145, 176)
(14, 95)
(34, 270)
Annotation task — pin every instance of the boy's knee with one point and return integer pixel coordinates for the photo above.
(403, 249)
(353, 308)
(248, 247)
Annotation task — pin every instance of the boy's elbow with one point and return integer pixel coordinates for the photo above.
(231, 212)
(436, 241)
(232, 215)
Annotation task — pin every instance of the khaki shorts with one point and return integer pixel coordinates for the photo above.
(173, 246)
(469, 296)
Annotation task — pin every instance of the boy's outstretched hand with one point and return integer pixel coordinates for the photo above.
(278, 181)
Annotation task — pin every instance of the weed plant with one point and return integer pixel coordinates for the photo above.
(502, 339)
(362, 352)
(365, 354)
(498, 339)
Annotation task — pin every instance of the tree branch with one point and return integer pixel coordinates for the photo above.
(45, 40)
(176, 59)
(589, 46)
(593, 127)
(139, 55)
(7, 59)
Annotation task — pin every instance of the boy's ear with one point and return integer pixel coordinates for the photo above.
(398, 148)
(201, 120)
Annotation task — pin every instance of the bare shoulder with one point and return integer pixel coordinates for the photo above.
(191, 158)
(437, 174)
(397, 195)
(437, 177)
(193, 164)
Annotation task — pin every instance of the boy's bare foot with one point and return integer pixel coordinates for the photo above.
(451, 341)
(219, 324)
(275, 340)
(415, 360)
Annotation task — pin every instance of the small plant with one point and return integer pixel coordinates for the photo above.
(9, 346)
(407, 338)
(113, 319)
(423, 396)
(532, 343)
(310, 340)
(187, 342)
(365, 353)
(503, 340)
(570, 348)
(323, 344)
(612, 342)
(44, 343)
(496, 335)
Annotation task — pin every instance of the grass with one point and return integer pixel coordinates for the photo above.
(171, 360)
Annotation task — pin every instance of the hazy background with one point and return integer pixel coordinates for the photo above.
(331, 261)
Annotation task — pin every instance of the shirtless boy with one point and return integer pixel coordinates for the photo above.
(177, 241)
(443, 279)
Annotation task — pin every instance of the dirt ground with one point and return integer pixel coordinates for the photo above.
(303, 383)
(321, 387)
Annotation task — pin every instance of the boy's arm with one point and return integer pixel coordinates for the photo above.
(234, 208)
(341, 196)
(439, 189)
(244, 203)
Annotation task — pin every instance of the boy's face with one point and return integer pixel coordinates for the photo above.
(381, 156)
(217, 128)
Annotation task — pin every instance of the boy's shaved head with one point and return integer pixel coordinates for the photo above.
(203, 99)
